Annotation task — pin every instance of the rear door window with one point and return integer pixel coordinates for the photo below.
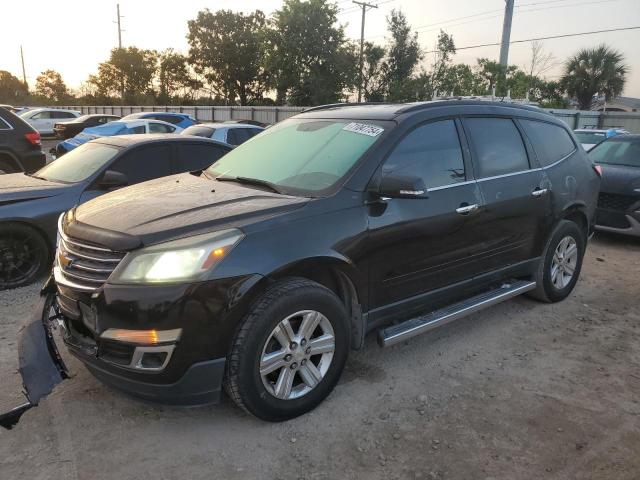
(550, 142)
(160, 128)
(498, 146)
(197, 156)
(62, 115)
(144, 163)
(431, 152)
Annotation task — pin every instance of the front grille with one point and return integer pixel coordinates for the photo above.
(607, 218)
(613, 201)
(83, 266)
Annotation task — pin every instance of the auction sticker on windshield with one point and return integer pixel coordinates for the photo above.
(364, 129)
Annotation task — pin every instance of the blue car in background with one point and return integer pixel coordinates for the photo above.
(181, 120)
(119, 127)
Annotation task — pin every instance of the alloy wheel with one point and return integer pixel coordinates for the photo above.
(564, 262)
(297, 354)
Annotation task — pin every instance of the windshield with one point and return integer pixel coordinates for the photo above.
(590, 138)
(79, 164)
(617, 152)
(303, 156)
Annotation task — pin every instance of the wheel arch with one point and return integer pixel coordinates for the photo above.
(577, 213)
(12, 159)
(342, 278)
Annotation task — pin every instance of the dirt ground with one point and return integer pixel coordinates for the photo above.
(520, 391)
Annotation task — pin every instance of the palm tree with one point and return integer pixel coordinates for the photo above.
(594, 71)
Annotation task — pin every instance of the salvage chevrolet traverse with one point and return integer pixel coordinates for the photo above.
(259, 274)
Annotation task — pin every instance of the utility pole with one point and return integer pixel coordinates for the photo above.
(119, 27)
(506, 38)
(24, 74)
(364, 7)
(506, 33)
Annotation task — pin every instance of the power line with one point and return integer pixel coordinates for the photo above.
(546, 38)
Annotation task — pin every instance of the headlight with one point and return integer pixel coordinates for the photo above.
(177, 261)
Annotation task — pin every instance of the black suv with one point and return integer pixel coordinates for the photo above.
(20, 148)
(262, 272)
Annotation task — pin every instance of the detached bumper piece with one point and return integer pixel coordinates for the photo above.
(40, 364)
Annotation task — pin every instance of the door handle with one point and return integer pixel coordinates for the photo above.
(538, 192)
(466, 209)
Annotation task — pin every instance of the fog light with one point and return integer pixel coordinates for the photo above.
(142, 337)
(152, 360)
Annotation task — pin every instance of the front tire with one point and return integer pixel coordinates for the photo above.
(290, 351)
(561, 263)
(24, 255)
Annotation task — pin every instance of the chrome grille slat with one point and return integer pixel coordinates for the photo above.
(84, 267)
(89, 257)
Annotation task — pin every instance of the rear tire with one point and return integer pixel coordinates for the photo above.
(24, 255)
(6, 167)
(560, 265)
(274, 381)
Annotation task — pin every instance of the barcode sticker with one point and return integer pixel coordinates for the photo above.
(364, 129)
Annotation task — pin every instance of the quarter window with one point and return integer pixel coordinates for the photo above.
(498, 146)
(550, 142)
(431, 152)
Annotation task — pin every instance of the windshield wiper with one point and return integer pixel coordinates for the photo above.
(34, 176)
(252, 181)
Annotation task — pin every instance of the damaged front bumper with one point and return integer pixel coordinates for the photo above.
(40, 363)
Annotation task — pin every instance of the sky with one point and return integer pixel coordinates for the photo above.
(73, 36)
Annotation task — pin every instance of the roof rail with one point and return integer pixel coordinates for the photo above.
(415, 106)
(344, 104)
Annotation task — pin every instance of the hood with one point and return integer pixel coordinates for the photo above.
(18, 186)
(81, 138)
(181, 205)
(620, 179)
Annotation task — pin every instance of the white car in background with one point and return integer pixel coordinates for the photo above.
(43, 119)
(229, 132)
(111, 129)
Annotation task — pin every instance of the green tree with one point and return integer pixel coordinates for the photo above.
(373, 79)
(458, 79)
(594, 71)
(12, 90)
(309, 57)
(129, 72)
(228, 49)
(50, 85)
(174, 76)
(491, 74)
(403, 55)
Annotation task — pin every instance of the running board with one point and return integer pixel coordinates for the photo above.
(415, 326)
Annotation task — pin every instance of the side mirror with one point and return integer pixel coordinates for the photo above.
(393, 185)
(111, 179)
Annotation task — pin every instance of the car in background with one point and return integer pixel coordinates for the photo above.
(619, 201)
(231, 133)
(30, 204)
(590, 137)
(12, 109)
(117, 127)
(20, 147)
(43, 119)
(71, 128)
(182, 120)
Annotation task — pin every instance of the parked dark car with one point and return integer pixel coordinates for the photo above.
(619, 199)
(64, 130)
(261, 273)
(20, 147)
(30, 204)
